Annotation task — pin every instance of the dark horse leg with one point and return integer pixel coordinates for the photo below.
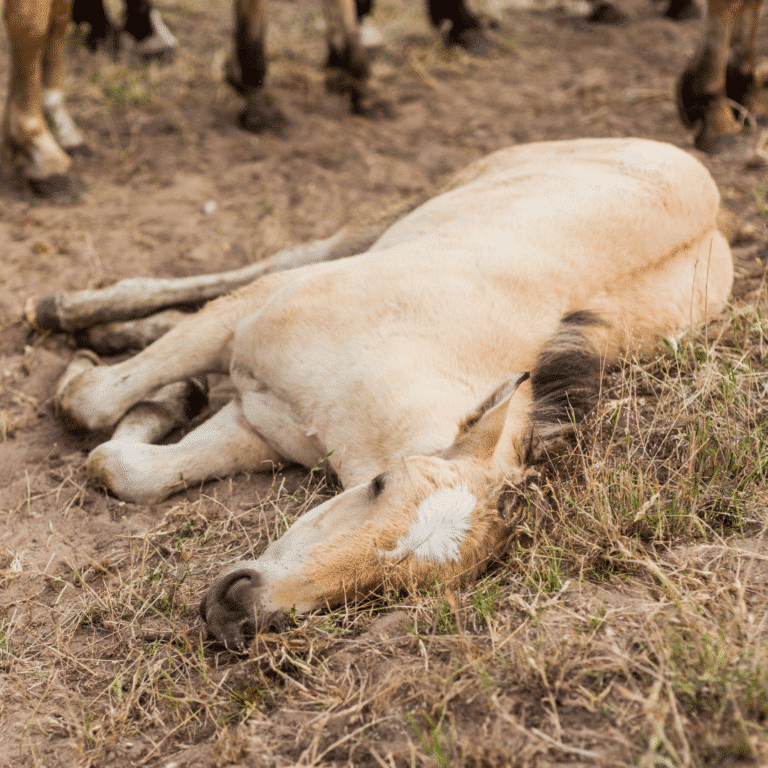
(723, 71)
(463, 26)
(102, 31)
(142, 22)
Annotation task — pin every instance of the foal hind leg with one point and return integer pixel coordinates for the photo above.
(667, 300)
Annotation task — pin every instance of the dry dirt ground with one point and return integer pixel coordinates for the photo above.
(101, 661)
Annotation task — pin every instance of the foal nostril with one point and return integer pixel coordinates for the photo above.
(236, 637)
(248, 630)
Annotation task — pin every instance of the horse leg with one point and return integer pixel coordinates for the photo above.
(102, 30)
(701, 90)
(154, 41)
(465, 29)
(136, 471)
(246, 68)
(741, 85)
(347, 67)
(682, 10)
(33, 26)
(91, 397)
(67, 134)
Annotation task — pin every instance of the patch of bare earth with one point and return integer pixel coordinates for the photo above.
(627, 623)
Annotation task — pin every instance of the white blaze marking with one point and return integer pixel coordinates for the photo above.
(441, 524)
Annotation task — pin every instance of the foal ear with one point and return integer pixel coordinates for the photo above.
(502, 433)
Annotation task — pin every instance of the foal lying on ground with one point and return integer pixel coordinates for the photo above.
(421, 371)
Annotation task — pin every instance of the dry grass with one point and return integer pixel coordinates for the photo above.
(626, 625)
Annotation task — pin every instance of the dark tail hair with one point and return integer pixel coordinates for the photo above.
(566, 377)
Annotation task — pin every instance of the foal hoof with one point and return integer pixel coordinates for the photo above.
(125, 470)
(43, 314)
(82, 362)
(172, 407)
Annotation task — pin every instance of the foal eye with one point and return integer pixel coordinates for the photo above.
(377, 485)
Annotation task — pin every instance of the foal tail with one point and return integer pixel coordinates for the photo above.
(566, 377)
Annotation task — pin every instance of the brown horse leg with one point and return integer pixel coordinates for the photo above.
(33, 26)
(741, 84)
(701, 89)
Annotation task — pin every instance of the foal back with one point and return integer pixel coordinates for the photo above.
(384, 354)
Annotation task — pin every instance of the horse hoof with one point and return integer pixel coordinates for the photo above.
(731, 146)
(50, 187)
(371, 107)
(605, 13)
(683, 10)
(472, 40)
(261, 114)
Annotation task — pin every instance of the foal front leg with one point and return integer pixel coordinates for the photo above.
(91, 397)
